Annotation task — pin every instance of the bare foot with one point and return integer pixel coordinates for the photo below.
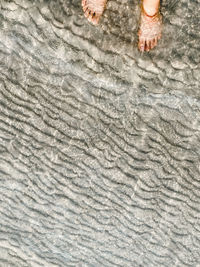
(93, 9)
(150, 30)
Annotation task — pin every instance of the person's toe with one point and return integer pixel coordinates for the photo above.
(95, 19)
(87, 12)
(84, 8)
(90, 15)
(147, 45)
(156, 41)
(83, 3)
(152, 43)
(141, 45)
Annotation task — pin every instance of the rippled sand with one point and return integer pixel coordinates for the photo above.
(99, 144)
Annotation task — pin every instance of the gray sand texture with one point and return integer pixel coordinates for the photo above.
(99, 144)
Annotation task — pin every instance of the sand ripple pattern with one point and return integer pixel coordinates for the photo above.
(99, 145)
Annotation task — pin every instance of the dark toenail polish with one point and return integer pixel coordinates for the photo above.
(89, 12)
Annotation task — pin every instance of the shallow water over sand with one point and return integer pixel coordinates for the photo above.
(99, 144)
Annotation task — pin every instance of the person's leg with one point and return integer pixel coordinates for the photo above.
(93, 9)
(151, 6)
(150, 25)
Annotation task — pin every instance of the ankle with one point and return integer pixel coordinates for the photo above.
(149, 10)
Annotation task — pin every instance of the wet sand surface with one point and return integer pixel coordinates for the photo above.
(99, 144)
